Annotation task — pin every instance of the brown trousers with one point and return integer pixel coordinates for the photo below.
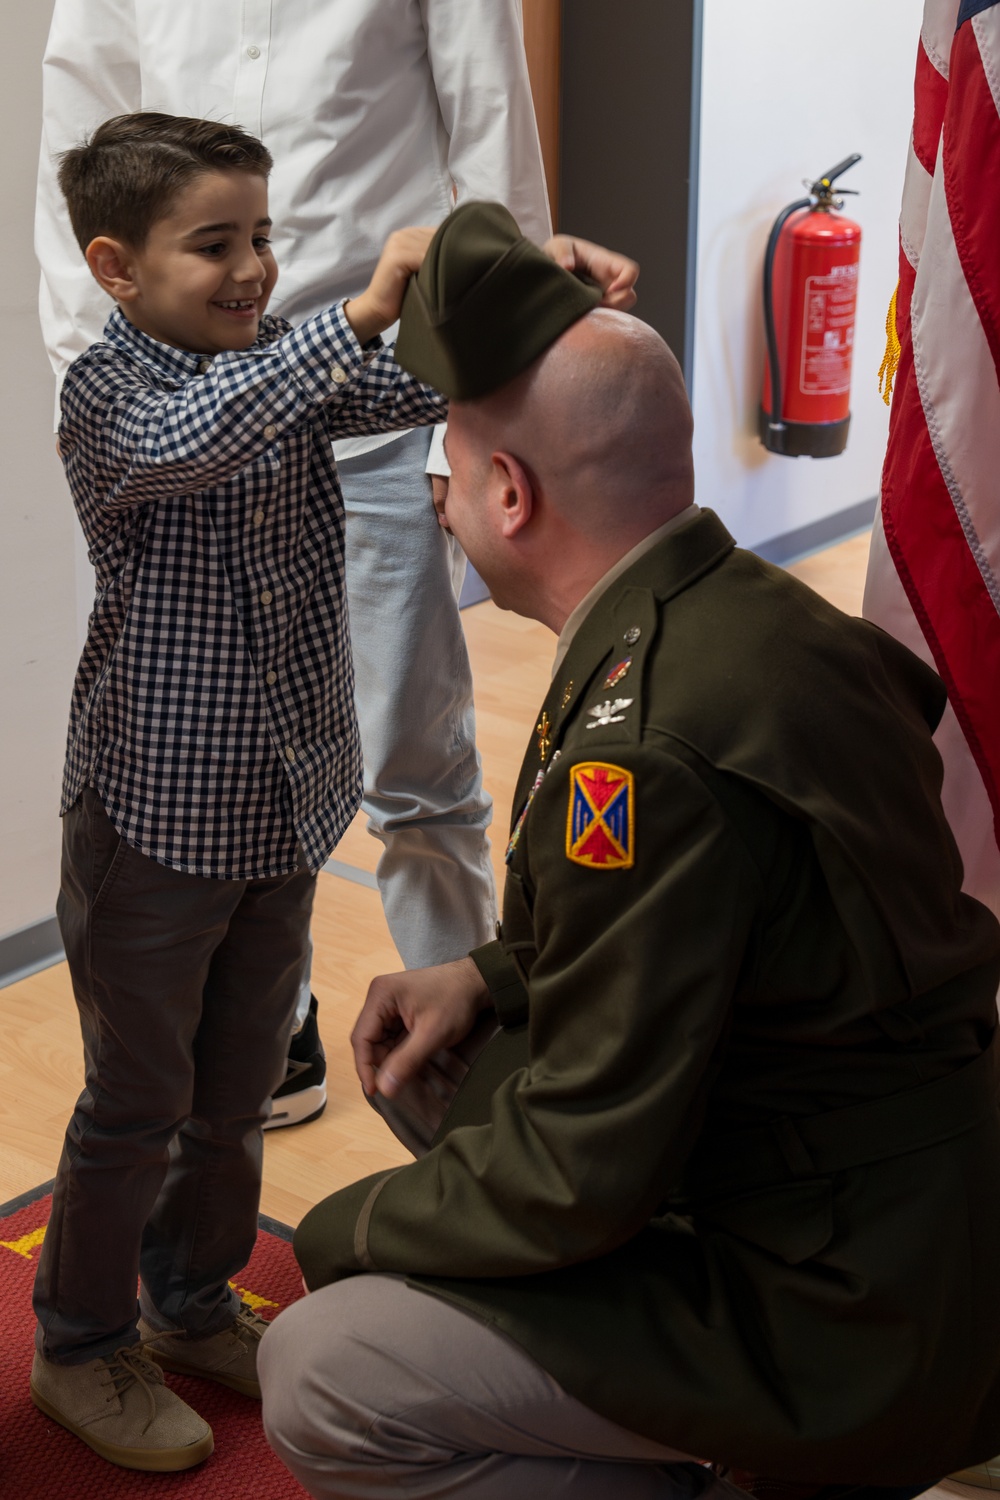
(186, 988)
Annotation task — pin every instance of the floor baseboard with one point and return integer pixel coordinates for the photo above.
(31, 948)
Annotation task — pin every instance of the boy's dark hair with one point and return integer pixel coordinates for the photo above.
(127, 175)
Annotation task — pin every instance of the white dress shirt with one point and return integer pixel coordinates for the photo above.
(378, 113)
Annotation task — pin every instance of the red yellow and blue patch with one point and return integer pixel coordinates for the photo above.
(600, 827)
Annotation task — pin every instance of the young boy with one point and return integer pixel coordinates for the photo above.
(213, 759)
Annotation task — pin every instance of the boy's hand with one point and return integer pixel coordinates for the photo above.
(614, 273)
(379, 305)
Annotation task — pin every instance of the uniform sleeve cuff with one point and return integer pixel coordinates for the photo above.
(328, 1239)
(507, 991)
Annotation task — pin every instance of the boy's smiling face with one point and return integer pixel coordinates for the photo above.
(204, 276)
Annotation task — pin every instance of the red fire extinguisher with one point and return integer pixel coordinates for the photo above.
(810, 290)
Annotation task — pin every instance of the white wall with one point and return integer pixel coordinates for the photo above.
(38, 638)
(789, 87)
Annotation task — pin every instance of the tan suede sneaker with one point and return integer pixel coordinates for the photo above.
(121, 1408)
(230, 1357)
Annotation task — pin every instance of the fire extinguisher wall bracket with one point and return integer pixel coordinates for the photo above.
(810, 272)
(803, 439)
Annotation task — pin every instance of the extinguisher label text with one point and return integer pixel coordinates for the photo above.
(828, 331)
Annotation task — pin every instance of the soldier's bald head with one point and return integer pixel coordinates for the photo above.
(559, 474)
(602, 422)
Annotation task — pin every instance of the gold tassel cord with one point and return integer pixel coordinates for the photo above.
(890, 360)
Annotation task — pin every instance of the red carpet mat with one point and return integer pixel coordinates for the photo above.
(39, 1460)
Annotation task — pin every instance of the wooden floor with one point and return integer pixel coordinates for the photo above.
(40, 1071)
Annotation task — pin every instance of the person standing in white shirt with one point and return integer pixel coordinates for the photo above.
(378, 113)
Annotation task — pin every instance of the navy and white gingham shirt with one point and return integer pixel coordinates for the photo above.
(213, 709)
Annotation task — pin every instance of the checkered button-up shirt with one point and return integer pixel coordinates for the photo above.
(213, 709)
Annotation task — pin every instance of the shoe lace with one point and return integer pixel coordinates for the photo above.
(129, 1366)
(251, 1322)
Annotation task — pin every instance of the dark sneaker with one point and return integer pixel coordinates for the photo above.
(302, 1096)
(229, 1357)
(121, 1408)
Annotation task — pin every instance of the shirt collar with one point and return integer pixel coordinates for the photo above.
(586, 604)
(168, 362)
(171, 363)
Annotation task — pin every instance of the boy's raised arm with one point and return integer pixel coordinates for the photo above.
(140, 444)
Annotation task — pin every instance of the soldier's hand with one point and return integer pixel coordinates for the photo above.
(407, 1017)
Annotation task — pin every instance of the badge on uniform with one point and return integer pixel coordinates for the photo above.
(600, 826)
(515, 836)
(618, 673)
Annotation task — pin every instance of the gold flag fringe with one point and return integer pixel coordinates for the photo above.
(890, 360)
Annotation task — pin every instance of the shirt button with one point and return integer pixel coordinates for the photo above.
(253, 53)
(270, 432)
(271, 678)
(338, 374)
(266, 597)
(258, 517)
(289, 753)
(204, 365)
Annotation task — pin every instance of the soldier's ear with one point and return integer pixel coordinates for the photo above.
(515, 491)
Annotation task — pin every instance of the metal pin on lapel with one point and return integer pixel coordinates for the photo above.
(616, 674)
(609, 713)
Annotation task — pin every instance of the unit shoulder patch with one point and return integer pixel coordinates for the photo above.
(600, 823)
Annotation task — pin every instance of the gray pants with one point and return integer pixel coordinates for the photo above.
(374, 1388)
(185, 988)
(424, 794)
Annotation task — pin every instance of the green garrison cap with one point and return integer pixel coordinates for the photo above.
(485, 303)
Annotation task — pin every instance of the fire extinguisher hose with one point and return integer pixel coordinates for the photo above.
(774, 420)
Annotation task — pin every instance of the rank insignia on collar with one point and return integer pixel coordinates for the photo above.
(616, 674)
(608, 713)
(600, 825)
(544, 731)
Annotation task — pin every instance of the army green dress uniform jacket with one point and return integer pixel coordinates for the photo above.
(738, 1186)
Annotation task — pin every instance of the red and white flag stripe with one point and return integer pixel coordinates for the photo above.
(934, 572)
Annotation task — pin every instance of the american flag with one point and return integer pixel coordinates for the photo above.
(934, 571)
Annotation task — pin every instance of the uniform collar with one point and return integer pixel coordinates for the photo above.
(586, 604)
(624, 618)
(671, 565)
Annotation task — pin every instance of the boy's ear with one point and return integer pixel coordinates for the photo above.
(111, 264)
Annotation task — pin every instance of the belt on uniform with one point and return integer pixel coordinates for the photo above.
(790, 1149)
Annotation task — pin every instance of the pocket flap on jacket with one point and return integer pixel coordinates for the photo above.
(793, 1221)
